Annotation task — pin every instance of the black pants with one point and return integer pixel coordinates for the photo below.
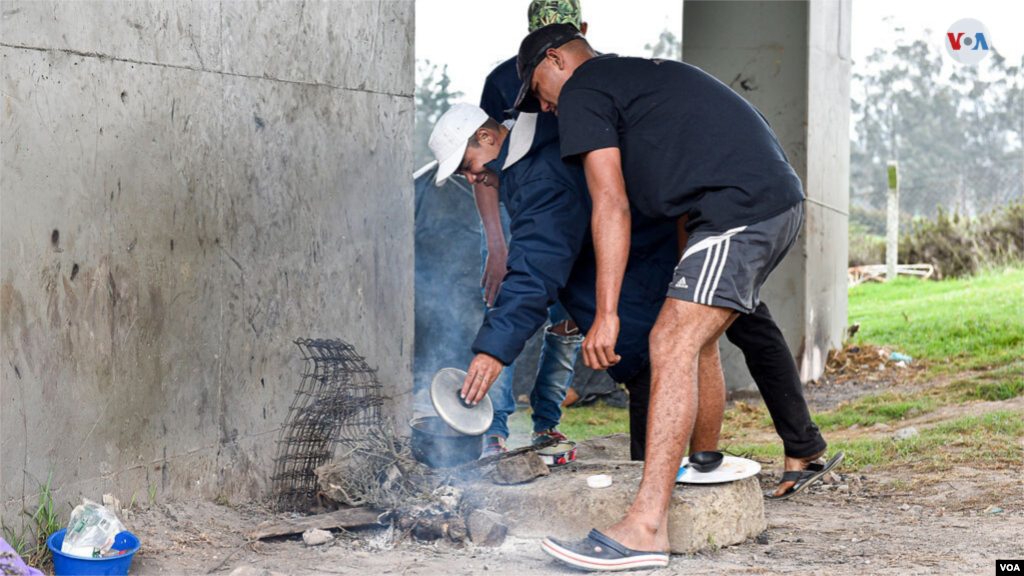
(775, 373)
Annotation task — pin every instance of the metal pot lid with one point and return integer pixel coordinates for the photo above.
(445, 390)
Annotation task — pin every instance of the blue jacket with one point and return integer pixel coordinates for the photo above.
(551, 253)
(500, 91)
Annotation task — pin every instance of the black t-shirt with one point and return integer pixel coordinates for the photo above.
(689, 144)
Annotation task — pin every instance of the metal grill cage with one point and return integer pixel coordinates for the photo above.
(338, 402)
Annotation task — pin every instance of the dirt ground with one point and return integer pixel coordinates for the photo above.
(958, 523)
(941, 531)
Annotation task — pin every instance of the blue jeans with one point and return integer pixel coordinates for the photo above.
(554, 370)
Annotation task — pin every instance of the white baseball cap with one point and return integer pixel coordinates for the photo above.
(451, 136)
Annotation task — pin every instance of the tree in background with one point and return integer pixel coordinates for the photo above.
(958, 139)
(668, 46)
(433, 98)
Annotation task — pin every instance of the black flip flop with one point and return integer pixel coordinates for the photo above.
(599, 553)
(805, 478)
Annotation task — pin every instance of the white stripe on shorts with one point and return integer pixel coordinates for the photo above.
(718, 276)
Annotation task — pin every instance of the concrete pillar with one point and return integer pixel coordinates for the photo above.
(187, 187)
(791, 60)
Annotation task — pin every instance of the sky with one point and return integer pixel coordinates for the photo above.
(472, 36)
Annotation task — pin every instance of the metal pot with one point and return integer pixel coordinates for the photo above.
(437, 445)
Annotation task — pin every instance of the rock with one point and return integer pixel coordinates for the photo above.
(519, 469)
(112, 503)
(610, 447)
(905, 507)
(881, 426)
(854, 426)
(449, 496)
(916, 510)
(843, 488)
(831, 478)
(487, 528)
(316, 537)
(905, 433)
(249, 571)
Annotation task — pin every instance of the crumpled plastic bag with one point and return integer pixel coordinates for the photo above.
(11, 563)
(91, 531)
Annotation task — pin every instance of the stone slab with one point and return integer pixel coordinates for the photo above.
(562, 504)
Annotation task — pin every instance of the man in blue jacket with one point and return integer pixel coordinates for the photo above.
(550, 253)
(561, 342)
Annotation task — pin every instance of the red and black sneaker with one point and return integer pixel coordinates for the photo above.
(553, 433)
(494, 445)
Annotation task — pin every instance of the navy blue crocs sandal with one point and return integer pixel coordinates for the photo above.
(599, 553)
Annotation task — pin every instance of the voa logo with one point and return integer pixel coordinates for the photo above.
(967, 41)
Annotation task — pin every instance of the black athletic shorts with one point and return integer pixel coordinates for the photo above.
(728, 268)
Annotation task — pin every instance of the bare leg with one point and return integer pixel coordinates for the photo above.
(710, 399)
(678, 339)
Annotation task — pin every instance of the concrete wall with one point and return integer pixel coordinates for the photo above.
(791, 60)
(187, 187)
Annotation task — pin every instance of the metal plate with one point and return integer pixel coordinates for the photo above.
(732, 469)
(444, 395)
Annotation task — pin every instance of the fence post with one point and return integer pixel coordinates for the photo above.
(892, 223)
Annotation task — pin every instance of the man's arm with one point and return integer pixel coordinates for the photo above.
(547, 236)
(497, 251)
(610, 222)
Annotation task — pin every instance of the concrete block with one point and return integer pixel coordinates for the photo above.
(336, 43)
(487, 528)
(562, 505)
(175, 32)
(169, 230)
(518, 469)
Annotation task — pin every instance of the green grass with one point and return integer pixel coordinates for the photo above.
(971, 323)
(876, 408)
(577, 423)
(991, 440)
(30, 541)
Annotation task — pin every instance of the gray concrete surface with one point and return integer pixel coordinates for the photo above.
(562, 505)
(791, 60)
(187, 187)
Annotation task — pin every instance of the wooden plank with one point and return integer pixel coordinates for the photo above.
(345, 518)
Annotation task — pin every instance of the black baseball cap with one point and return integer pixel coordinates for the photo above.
(532, 52)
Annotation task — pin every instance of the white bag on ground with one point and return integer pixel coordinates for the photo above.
(91, 531)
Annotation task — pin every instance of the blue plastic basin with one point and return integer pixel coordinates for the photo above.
(68, 565)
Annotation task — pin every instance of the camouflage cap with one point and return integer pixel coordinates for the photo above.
(544, 12)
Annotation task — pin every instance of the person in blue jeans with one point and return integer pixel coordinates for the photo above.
(562, 338)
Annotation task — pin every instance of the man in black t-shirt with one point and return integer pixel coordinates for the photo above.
(673, 142)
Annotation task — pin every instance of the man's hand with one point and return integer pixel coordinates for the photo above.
(483, 371)
(599, 345)
(494, 272)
